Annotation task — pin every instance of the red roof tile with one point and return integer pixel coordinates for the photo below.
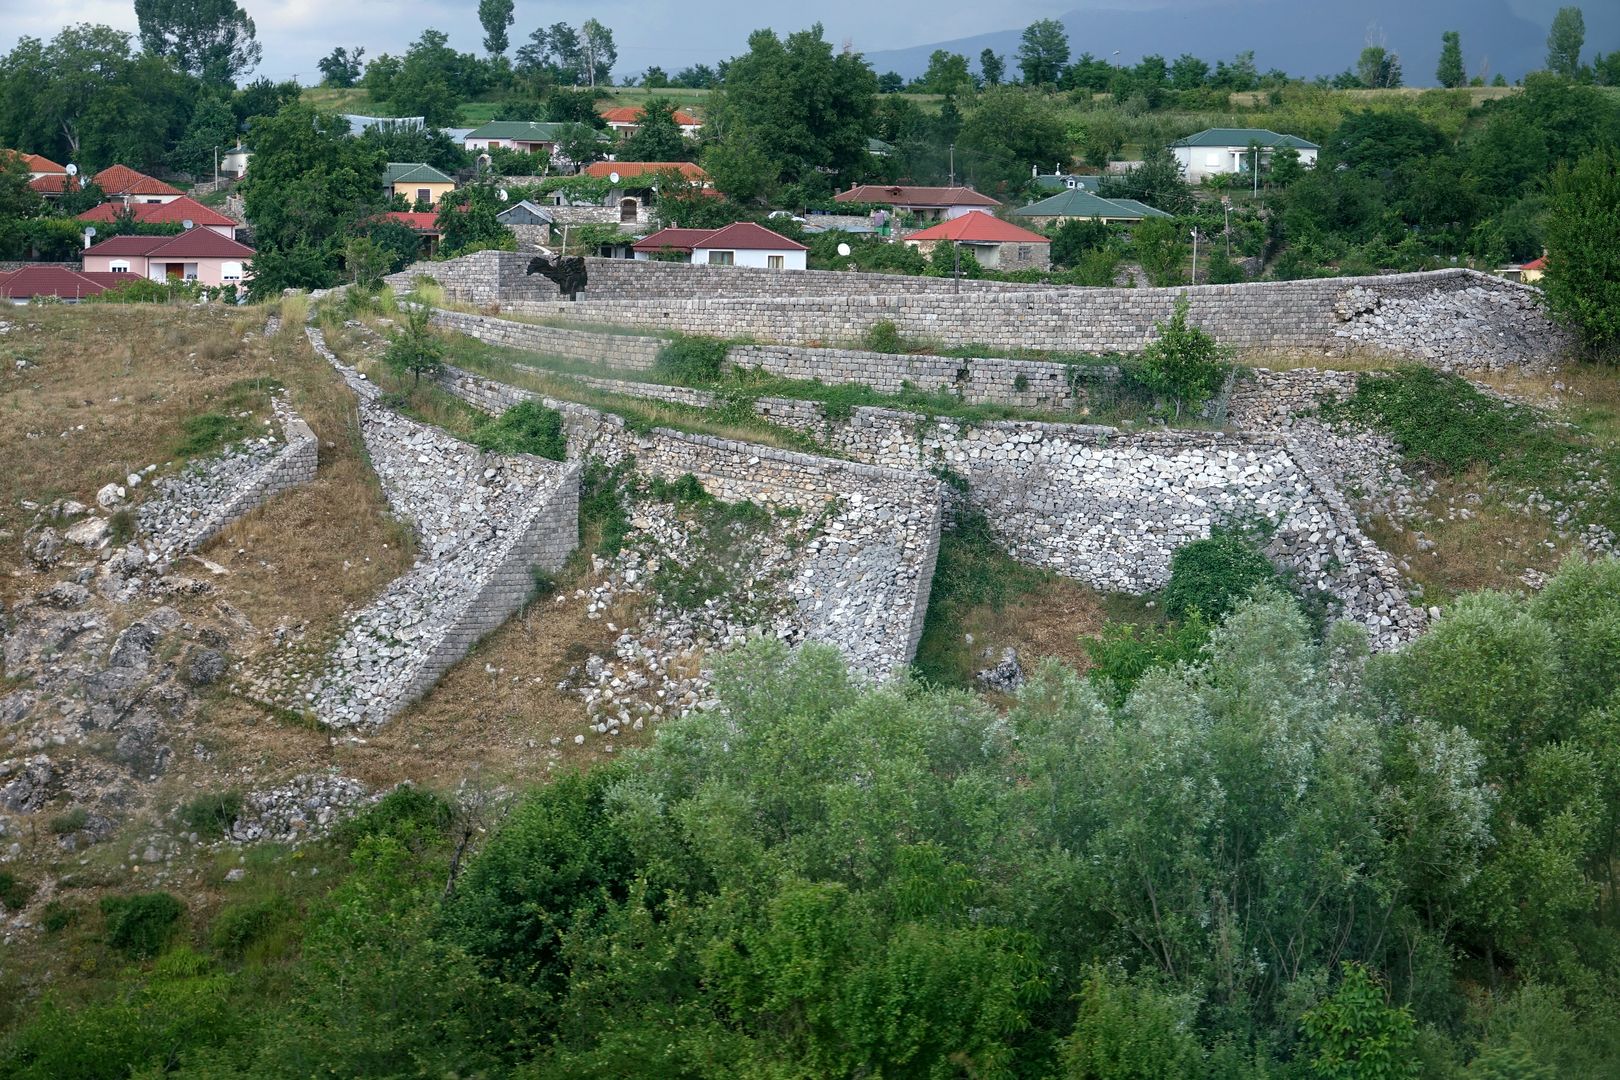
(671, 240)
(632, 114)
(907, 195)
(1535, 264)
(50, 183)
(123, 180)
(746, 236)
(979, 228)
(630, 169)
(426, 221)
(36, 163)
(193, 244)
(174, 212)
(58, 281)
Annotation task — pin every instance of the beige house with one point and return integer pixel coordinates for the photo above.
(415, 182)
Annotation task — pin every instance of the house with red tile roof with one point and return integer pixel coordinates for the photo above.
(996, 244)
(196, 255)
(123, 182)
(37, 164)
(424, 224)
(926, 203)
(741, 243)
(646, 171)
(176, 212)
(625, 119)
(69, 286)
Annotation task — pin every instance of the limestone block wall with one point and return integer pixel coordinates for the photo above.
(482, 521)
(627, 352)
(192, 508)
(862, 586)
(1110, 507)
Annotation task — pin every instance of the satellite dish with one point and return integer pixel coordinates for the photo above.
(613, 177)
(187, 224)
(843, 249)
(90, 230)
(502, 195)
(73, 170)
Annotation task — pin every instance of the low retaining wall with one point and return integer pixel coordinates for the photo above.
(862, 586)
(482, 521)
(194, 506)
(1457, 318)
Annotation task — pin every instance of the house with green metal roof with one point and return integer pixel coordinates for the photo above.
(1222, 151)
(417, 183)
(1078, 205)
(1059, 180)
(530, 135)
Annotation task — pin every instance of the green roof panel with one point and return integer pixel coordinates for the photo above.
(1083, 204)
(413, 172)
(1244, 137)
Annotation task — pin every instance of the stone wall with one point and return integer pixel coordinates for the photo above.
(862, 586)
(1110, 507)
(482, 522)
(1454, 318)
(976, 380)
(193, 506)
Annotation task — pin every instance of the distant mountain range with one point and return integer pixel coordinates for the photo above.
(1305, 39)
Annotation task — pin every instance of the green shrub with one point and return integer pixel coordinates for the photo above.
(239, 926)
(884, 336)
(140, 924)
(1184, 364)
(211, 816)
(408, 814)
(206, 433)
(601, 505)
(14, 892)
(690, 360)
(526, 428)
(58, 916)
(1210, 576)
(1123, 652)
(71, 821)
(415, 350)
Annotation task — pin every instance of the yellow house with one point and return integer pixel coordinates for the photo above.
(415, 182)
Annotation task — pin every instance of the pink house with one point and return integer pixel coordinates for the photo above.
(197, 255)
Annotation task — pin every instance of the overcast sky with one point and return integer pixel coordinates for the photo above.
(296, 33)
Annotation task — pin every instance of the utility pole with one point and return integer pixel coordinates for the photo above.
(1195, 257)
(1226, 205)
(1257, 172)
(953, 164)
(956, 266)
(216, 168)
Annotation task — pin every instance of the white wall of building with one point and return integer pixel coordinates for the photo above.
(790, 260)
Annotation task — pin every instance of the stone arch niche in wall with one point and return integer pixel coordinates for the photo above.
(628, 209)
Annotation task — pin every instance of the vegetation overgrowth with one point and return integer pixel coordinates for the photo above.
(1283, 858)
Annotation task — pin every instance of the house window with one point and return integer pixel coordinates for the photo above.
(119, 266)
(231, 271)
(424, 195)
(775, 262)
(1213, 160)
(722, 258)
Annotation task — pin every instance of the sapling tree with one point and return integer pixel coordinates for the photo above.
(1185, 364)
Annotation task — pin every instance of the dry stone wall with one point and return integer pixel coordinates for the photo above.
(861, 586)
(192, 506)
(1458, 318)
(482, 522)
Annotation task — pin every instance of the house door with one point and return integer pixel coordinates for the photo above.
(627, 211)
(174, 271)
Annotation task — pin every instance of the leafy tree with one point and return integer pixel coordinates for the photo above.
(17, 199)
(1043, 52)
(212, 40)
(947, 74)
(1450, 71)
(1357, 1034)
(309, 182)
(467, 220)
(1185, 364)
(1007, 129)
(1189, 72)
(797, 105)
(213, 128)
(656, 78)
(696, 77)
(1565, 39)
(1378, 68)
(261, 97)
(1161, 250)
(1071, 240)
(1240, 75)
(1606, 68)
(415, 349)
(1158, 181)
(340, 67)
(1132, 1029)
(657, 136)
(1101, 140)
(992, 68)
(597, 52)
(397, 242)
(1582, 283)
(429, 145)
(495, 16)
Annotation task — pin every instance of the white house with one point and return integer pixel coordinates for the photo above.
(1222, 151)
(739, 244)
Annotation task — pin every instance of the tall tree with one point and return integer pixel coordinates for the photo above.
(796, 105)
(495, 16)
(1583, 262)
(1043, 52)
(598, 52)
(1378, 68)
(340, 67)
(210, 39)
(212, 130)
(1188, 72)
(657, 136)
(947, 74)
(1565, 41)
(1007, 130)
(1450, 72)
(992, 68)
